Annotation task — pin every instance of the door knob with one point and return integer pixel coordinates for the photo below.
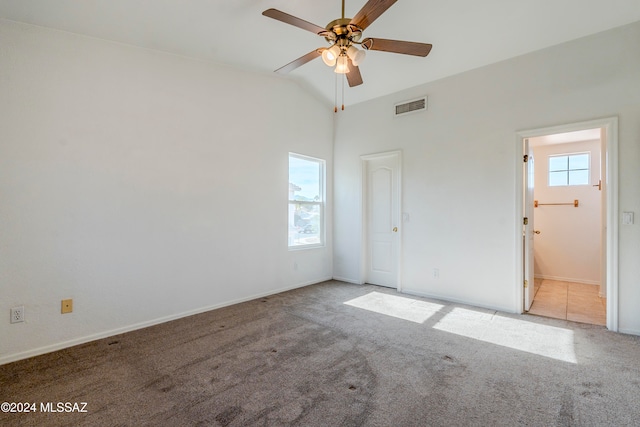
(537, 231)
(395, 229)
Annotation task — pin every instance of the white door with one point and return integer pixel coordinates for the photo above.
(527, 227)
(382, 215)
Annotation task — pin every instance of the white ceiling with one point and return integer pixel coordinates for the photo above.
(466, 34)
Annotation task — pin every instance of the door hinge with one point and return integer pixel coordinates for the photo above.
(525, 221)
(526, 284)
(526, 158)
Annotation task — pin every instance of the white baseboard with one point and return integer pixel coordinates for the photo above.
(105, 334)
(567, 279)
(344, 279)
(447, 299)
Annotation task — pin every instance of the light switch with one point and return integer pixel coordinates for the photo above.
(627, 218)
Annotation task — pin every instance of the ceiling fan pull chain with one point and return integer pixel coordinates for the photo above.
(343, 77)
(335, 94)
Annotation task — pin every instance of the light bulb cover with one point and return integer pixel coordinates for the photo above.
(356, 55)
(329, 56)
(342, 66)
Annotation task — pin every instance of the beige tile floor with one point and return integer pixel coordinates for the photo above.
(567, 300)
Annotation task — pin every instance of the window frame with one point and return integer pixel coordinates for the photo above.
(322, 165)
(568, 169)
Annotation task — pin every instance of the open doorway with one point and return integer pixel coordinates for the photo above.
(568, 214)
(568, 203)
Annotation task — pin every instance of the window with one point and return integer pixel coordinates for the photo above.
(569, 169)
(306, 201)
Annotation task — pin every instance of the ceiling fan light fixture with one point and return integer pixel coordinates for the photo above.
(356, 55)
(343, 37)
(330, 56)
(342, 66)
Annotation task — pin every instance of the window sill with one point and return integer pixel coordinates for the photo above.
(304, 247)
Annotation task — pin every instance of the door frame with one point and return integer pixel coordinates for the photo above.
(528, 229)
(364, 258)
(610, 126)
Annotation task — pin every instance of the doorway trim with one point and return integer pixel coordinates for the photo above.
(364, 258)
(610, 126)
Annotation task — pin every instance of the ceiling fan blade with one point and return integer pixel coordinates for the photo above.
(370, 12)
(292, 20)
(354, 78)
(300, 61)
(397, 46)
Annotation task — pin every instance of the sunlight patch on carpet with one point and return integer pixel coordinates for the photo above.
(543, 340)
(391, 305)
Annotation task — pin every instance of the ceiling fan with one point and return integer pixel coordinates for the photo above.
(343, 34)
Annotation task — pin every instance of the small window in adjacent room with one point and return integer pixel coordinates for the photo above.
(306, 201)
(569, 169)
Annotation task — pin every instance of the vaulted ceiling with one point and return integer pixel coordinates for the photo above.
(465, 34)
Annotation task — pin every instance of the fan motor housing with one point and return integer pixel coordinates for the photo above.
(342, 28)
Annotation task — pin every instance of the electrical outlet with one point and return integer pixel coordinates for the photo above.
(17, 314)
(67, 306)
(436, 273)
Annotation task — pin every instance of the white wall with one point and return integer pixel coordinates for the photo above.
(143, 185)
(568, 246)
(460, 166)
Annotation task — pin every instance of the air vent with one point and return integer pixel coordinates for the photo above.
(409, 107)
